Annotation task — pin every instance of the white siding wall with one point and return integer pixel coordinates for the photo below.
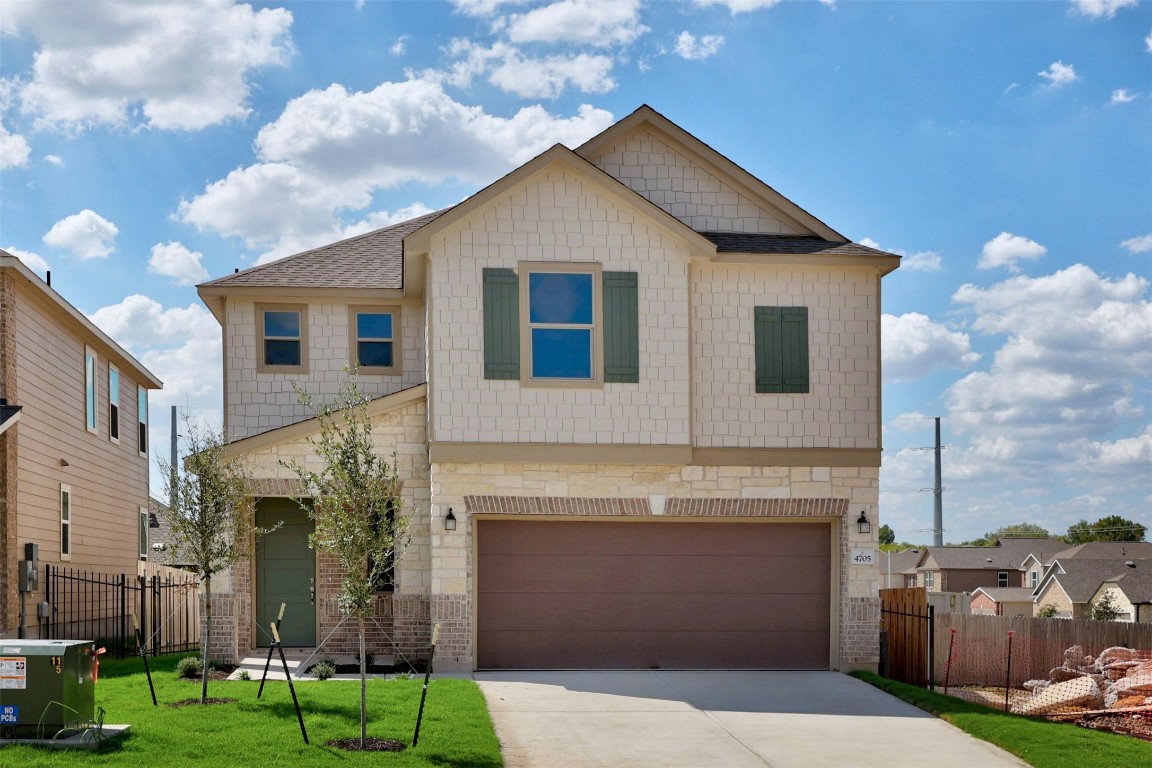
(683, 188)
(841, 409)
(557, 217)
(257, 402)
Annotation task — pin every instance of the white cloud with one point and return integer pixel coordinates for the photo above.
(1138, 244)
(598, 23)
(1121, 96)
(55, 160)
(289, 245)
(914, 346)
(1059, 74)
(175, 261)
(1097, 9)
(689, 47)
(140, 322)
(33, 261)
(921, 261)
(509, 70)
(14, 149)
(87, 235)
(482, 7)
(397, 48)
(171, 65)
(331, 149)
(1148, 43)
(1006, 249)
(744, 6)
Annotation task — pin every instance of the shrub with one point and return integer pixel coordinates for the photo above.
(1047, 611)
(323, 670)
(244, 675)
(188, 668)
(369, 655)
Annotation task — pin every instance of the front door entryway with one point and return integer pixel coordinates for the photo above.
(285, 573)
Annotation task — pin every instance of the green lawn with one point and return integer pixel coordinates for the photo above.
(1037, 742)
(456, 730)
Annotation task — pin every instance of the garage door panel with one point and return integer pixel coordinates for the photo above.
(670, 594)
(686, 574)
(636, 650)
(653, 612)
(507, 537)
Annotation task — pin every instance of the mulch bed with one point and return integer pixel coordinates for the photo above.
(371, 744)
(1136, 726)
(194, 702)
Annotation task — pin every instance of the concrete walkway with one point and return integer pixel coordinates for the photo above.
(723, 719)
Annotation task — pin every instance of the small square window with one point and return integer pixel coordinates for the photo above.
(113, 404)
(374, 339)
(283, 338)
(1002, 579)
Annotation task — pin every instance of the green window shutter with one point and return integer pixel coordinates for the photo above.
(621, 328)
(781, 349)
(501, 324)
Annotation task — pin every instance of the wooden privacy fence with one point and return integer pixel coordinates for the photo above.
(906, 618)
(979, 645)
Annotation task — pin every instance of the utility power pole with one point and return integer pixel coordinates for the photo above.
(172, 463)
(938, 492)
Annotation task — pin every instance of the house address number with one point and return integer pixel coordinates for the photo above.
(862, 556)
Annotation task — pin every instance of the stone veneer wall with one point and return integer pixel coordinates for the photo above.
(686, 492)
(402, 616)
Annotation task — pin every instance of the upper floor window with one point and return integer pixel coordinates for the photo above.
(1033, 578)
(375, 339)
(142, 533)
(781, 338)
(113, 404)
(90, 389)
(930, 579)
(142, 419)
(1002, 579)
(559, 324)
(283, 336)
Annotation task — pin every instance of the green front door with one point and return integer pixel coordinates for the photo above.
(285, 573)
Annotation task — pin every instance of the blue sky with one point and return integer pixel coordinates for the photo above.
(1005, 148)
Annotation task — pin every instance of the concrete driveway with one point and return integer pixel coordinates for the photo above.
(725, 719)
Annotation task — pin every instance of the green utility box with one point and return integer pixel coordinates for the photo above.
(45, 686)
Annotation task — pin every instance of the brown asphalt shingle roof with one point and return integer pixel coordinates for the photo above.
(1007, 555)
(1084, 576)
(742, 242)
(1007, 594)
(372, 260)
(1106, 550)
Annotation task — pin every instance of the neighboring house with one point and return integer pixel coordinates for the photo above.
(1131, 591)
(74, 461)
(1040, 556)
(162, 547)
(633, 394)
(1002, 601)
(964, 569)
(1077, 574)
(897, 569)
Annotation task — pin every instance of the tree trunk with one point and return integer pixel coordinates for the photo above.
(207, 636)
(363, 688)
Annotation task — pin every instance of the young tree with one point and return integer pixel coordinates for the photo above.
(1105, 609)
(1019, 530)
(886, 535)
(209, 514)
(354, 500)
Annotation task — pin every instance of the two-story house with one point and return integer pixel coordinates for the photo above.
(633, 393)
(74, 462)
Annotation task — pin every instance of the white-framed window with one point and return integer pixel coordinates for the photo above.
(113, 403)
(142, 419)
(374, 339)
(90, 389)
(65, 522)
(1002, 579)
(930, 579)
(283, 330)
(143, 533)
(562, 324)
(1033, 579)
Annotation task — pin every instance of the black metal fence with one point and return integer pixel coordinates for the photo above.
(85, 605)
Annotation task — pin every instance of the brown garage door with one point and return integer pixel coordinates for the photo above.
(648, 595)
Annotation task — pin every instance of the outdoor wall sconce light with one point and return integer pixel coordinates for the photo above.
(863, 524)
(450, 521)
